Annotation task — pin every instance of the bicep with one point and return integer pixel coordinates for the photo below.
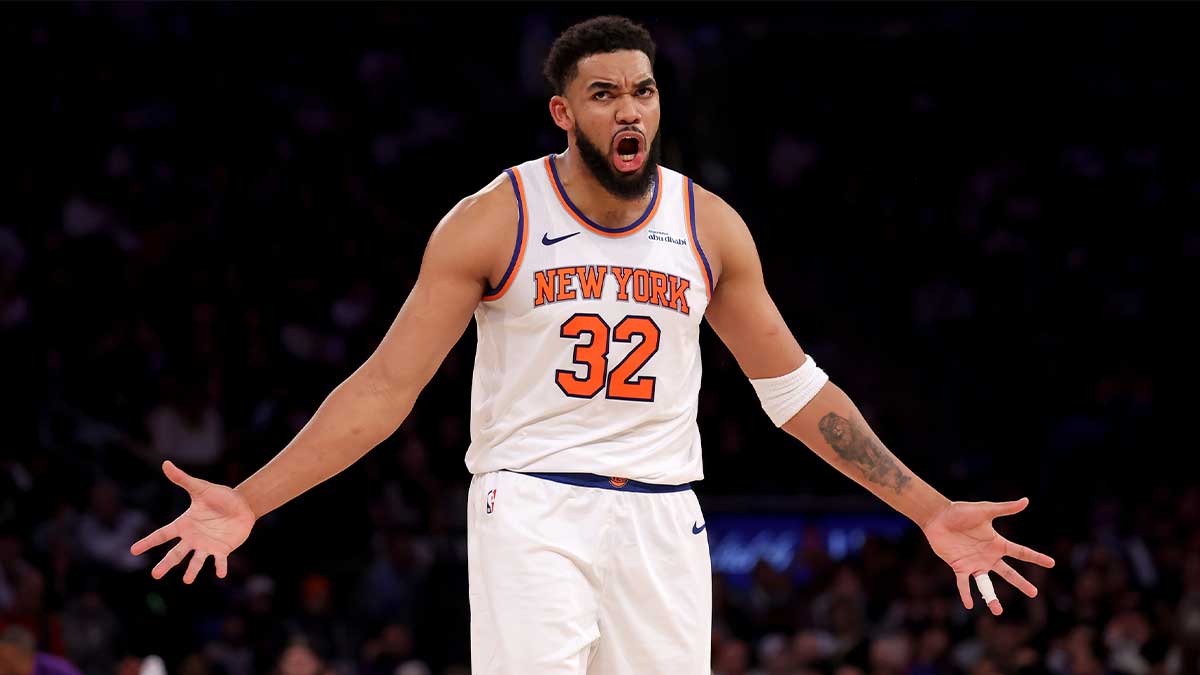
(742, 312)
(433, 318)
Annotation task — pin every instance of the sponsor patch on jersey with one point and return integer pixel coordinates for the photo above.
(657, 235)
(618, 482)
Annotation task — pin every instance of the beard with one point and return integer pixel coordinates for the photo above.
(622, 186)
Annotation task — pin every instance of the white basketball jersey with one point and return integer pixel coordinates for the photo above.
(588, 356)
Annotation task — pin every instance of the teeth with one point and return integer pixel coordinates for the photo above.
(628, 158)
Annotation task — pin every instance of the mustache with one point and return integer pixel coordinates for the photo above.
(641, 134)
(620, 186)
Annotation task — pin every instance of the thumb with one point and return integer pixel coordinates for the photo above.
(1007, 508)
(179, 477)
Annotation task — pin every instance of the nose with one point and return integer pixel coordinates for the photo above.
(627, 111)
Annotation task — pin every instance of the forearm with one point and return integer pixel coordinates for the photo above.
(831, 425)
(356, 416)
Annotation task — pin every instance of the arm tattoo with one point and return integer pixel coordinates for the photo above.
(854, 443)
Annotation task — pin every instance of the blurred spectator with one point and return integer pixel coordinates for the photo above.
(91, 630)
(732, 658)
(391, 585)
(299, 659)
(18, 656)
(186, 428)
(28, 611)
(109, 528)
(388, 651)
(317, 623)
(890, 654)
(932, 653)
(13, 570)
(264, 632)
(231, 651)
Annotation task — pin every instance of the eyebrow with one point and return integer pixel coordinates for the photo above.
(648, 82)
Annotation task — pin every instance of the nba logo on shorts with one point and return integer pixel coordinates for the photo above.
(618, 482)
(491, 500)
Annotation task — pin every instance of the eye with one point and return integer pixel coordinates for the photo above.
(646, 91)
(601, 94)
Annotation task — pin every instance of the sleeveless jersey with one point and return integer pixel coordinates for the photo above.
(588, 356)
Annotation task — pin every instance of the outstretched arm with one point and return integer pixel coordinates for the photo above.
(372, 403)
(748, 322)
(463, 254)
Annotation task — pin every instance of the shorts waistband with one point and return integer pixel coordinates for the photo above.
(604, 482)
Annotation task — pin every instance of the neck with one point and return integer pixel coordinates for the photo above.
(602, 206)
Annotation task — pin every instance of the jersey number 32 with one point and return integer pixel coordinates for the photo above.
(622, 381)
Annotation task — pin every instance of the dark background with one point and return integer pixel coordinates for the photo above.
(212, 212)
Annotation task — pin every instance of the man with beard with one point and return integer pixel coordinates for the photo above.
(587, 273)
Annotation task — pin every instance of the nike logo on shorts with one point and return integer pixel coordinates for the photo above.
(698, 530)
(548, 241)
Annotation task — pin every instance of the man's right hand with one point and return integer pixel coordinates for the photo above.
(217, 521)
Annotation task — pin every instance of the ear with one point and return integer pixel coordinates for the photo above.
(560, 112)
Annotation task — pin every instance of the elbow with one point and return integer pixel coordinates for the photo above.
(396, 384)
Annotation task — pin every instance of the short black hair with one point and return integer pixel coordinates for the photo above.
(600, 35)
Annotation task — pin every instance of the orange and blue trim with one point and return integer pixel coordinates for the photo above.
(514, 177)
(604, 482)
(567, 204)
(697, 250)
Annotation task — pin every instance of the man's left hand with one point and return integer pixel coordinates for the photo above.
(963, 536)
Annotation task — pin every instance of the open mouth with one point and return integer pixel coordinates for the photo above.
(629, 152)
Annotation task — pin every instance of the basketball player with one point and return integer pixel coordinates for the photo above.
(587, 273)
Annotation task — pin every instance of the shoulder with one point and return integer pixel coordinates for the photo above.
(476, 234)
(494, 207)
(715, 210)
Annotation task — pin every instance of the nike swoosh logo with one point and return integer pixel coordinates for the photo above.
(698, 530)
(548, 241)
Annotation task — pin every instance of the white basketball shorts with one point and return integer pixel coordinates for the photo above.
(578, 574)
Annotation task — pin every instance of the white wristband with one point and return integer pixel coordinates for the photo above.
(782, 397)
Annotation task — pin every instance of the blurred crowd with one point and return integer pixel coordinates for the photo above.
(212, 213)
